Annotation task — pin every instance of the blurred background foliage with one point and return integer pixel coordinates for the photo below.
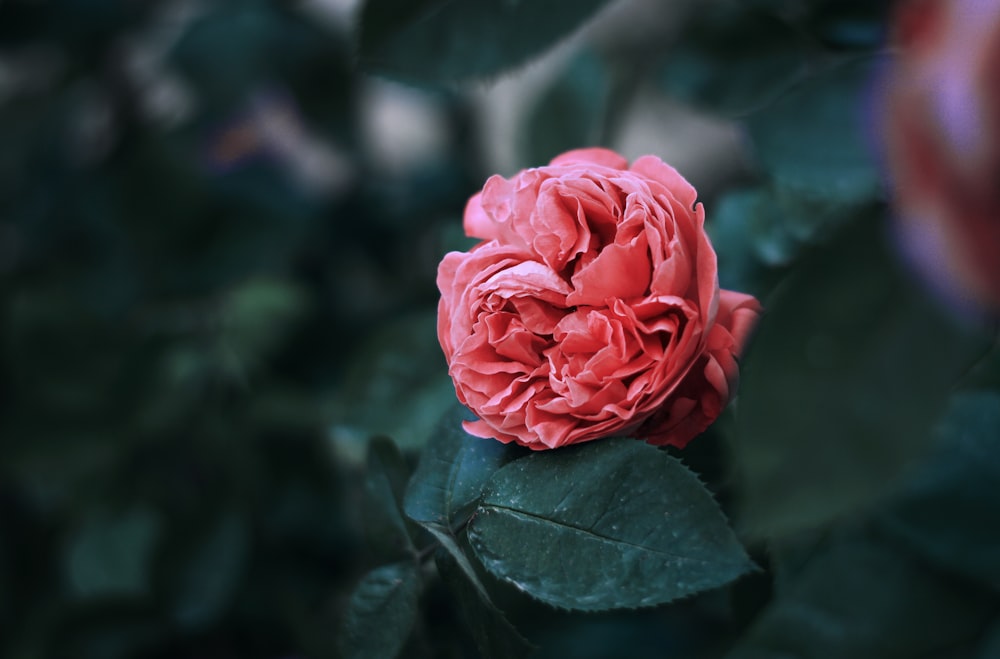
(219, 230)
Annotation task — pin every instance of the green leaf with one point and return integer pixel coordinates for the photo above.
(452, 471)
(570, 112)
(733, 60)
(613, 523)
(444, 40)
(759, 232)
(385, 482)
(495, 637)
(861, 597)
(381, 612)
(812, 139)
(848, 370)
(809, 218)
(110, 554)
(387, 469)
(947, 510)
(449, 543)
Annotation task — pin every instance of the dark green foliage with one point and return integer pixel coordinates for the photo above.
(812, 139)
(110, 556)
(436, 41)
(570, 113)
(449, 480)
(736, 57)
(734, 61)
(848, 370)
(452, 470)
(381, 613)
(399, 367)
(839, 25)
(495, 637)
(991, 643)
(860, 596)
(886, 586)
(173, 319)
(612, 524)
(960, 475)
(385, 481)
(752, 240)
(203, 588)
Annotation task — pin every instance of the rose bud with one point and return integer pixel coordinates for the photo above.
(591, 307)
(941, 126)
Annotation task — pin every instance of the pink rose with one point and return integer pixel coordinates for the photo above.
(941, 125)
(591, 308)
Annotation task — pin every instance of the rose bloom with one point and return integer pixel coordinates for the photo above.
(591, 307)
(941, 125)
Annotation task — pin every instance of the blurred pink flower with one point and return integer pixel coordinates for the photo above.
(941, 126)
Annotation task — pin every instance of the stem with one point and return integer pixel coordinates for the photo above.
(421, 555)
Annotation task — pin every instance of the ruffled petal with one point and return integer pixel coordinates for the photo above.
(596, 156)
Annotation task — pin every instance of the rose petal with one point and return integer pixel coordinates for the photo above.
(659, 171)
(619, 271)
(528, 278)
(476, 222)
(597, 156)
(738, 313)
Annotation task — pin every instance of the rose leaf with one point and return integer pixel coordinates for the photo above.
(381, 612)
(435, 41)
(614, 523)
(732, 62)
(452, 471)
(751, 240)
(495, 637)
(385, 482)
(813, 139)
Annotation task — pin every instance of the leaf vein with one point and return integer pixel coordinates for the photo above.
(600, 536)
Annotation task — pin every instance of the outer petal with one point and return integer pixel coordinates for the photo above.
(659, 171)
(738, 314)
(476, 222)
(596, 155)
(708, 387)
